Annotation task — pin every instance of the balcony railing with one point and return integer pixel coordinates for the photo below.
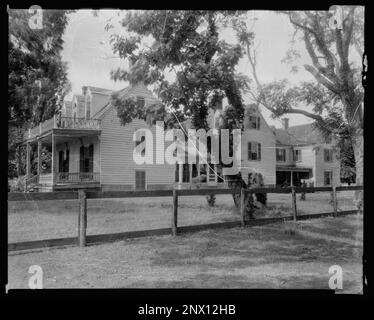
(58, 122)
(77, 177)
(78, 123)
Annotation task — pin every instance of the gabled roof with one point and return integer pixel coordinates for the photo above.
(123, 92)
(303, 134)
(283, 137)
(100, 90)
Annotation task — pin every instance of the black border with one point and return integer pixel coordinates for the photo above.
(239, 297)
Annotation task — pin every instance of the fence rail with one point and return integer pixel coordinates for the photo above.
(21, 196)
(83, 195)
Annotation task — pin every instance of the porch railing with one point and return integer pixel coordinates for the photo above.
(78, 123)
(75, 177)
(31, 182)
(63, 123)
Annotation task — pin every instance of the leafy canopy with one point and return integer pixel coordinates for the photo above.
(185, 45)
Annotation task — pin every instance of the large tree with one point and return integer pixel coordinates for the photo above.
(335, 97)
(37, 76)
(186, 45)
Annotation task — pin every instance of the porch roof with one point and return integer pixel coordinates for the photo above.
(63, 135)
(293, 169)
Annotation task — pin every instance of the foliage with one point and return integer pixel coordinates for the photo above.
(185, 44)
(37, 77)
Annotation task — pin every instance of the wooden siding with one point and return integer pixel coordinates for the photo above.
(266, 166)
(308, 158)
(74, 154)
(117, 146)
(322, 166)
(289, 156)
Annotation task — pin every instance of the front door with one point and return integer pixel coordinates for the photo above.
(86, 162)
(139, 180)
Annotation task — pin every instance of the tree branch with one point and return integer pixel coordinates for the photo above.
(321, 79)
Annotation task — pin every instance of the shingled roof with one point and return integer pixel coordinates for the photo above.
(303, 134)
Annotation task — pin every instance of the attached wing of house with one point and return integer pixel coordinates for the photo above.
(302, 154)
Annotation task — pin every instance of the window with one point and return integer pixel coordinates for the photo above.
(327, 178)
(281, 154)
(139, 180)
(88, 108)
(328, 155)
(297, 155)
(63, 161)
(254, 122)
(254, 151)
(142, 139)
(186, 172)
(140, 102)
(86, 159)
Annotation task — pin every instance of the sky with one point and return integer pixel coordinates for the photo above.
(90, 58)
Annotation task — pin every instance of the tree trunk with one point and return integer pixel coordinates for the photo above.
(358, 147)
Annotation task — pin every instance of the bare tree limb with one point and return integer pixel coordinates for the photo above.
(317, 75)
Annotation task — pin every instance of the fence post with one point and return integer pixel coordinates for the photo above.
(82, 218)
(174, 216)
(242, 207)
(334, 201)
(294, 209)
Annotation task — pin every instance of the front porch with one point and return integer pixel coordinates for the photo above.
(289, 176)
(63, 156)
(190, 176)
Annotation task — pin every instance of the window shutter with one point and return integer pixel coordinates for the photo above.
(60, 161)
(259, 151)
(66, 169)
(249, 151)
(90, 157)
(81, 159)
(258, 123)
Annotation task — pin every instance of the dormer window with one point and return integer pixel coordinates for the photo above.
(254, 122)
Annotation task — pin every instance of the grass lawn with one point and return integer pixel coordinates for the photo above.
(36, 220)
(254, 257)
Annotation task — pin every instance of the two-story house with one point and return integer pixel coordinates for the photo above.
(91, 149)
(303, 154)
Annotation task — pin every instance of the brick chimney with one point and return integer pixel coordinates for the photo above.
(285, 122)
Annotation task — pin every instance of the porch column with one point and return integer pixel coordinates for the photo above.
(190, 166)
(291, 178)
(39, 154)
(28, 166)
(180, 172)
(198, 170)
(53, 158)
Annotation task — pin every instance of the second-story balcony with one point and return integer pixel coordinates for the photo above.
(58, 122)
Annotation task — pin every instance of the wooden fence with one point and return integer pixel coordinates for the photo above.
(82, 239)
